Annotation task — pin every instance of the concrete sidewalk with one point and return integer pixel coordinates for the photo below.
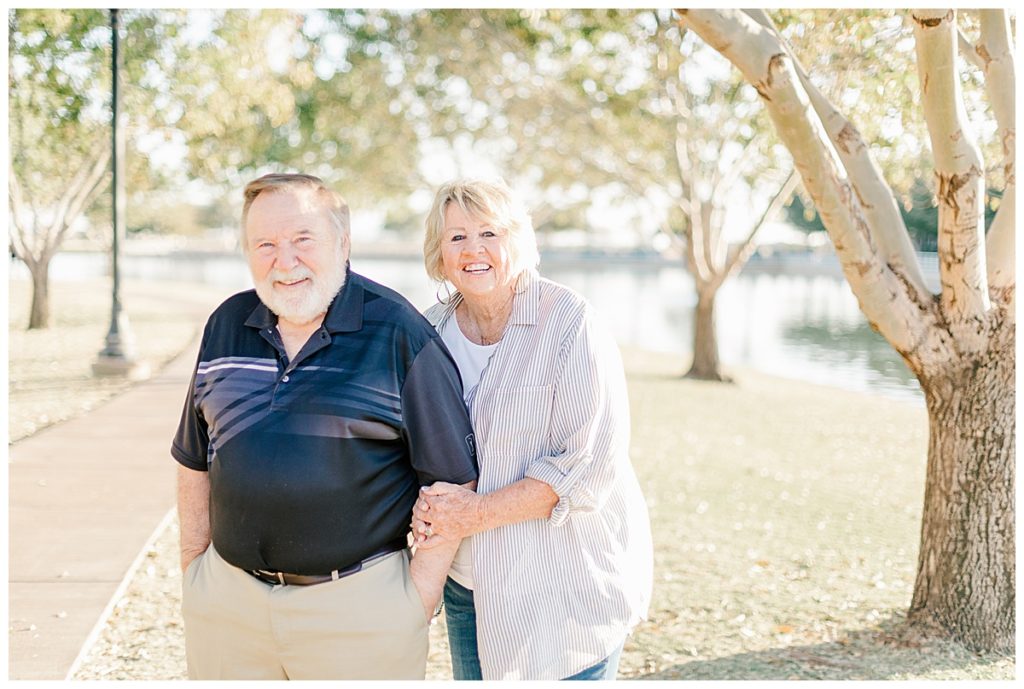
(84, 497)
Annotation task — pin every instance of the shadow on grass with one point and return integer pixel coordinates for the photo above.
(888, 651)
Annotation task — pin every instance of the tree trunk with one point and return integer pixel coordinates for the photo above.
(705, 364)
(965, 578)
(39, 316)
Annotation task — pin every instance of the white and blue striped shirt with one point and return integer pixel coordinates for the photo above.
(556, 596)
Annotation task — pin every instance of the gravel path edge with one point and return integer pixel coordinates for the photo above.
(129, 575)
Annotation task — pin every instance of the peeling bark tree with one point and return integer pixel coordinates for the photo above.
(960, 343)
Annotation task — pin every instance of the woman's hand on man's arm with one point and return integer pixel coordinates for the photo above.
(430, 566)
(446, 512)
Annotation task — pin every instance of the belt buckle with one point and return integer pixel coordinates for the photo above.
(276, 575)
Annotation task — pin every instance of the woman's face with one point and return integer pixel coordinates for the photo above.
(474, 254)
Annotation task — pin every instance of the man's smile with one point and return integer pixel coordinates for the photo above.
(290, 283)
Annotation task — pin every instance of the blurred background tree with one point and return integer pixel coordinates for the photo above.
(58, 118)
(59, 127)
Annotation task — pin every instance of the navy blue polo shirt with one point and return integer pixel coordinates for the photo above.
(315, 463)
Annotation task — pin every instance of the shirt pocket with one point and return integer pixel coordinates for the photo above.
(515, 424)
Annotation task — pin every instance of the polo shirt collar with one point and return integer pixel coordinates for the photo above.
(345, 314)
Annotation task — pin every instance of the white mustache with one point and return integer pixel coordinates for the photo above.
(290, 276)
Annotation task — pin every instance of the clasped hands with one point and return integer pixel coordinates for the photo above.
(445, 512)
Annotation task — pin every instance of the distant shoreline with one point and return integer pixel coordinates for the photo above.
(811, 263)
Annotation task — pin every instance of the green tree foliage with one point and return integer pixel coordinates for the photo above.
(282, 90)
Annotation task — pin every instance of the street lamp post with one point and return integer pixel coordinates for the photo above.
(118, 355)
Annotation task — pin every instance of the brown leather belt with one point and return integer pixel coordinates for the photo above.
(285, 579)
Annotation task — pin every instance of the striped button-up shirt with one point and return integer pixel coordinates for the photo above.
(556, 596)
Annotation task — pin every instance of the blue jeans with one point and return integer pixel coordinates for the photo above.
(460, 616)
(604, 670)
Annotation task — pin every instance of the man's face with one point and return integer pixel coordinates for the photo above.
(296, 255)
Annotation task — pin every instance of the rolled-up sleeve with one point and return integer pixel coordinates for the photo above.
(589, 421)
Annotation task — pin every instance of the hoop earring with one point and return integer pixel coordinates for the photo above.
(448, 298)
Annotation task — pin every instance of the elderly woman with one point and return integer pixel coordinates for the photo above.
(554, 569)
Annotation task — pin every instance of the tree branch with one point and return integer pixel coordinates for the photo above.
(74, 192)
(877, 201)
(1000, 245)
(695, 229)
(707, 238)
(718, 250)
(746, 249)
(680, 241)
(959, 167)
(91, 186)
(20, 216)
(968, 52)
(1000, 75)
(737, 167)
(684, 166)
(39, 230)
(885, 298)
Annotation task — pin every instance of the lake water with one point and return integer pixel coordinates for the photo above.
(806, 327)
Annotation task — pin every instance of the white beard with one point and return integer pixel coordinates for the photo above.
(307, 303)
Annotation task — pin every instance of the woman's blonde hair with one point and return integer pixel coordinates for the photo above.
(490, 201)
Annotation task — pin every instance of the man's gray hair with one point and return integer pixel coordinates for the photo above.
(333, 203)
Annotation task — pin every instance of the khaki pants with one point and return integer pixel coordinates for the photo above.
(368, 625)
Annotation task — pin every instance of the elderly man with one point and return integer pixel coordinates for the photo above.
(319, 405)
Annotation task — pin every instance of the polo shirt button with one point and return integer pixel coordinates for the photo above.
(285, 379)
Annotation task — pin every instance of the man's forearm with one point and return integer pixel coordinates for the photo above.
(193, 513)
(429, 570)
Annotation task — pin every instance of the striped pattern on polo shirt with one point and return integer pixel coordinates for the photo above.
(315, 463)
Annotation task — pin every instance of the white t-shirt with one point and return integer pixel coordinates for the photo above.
(471, 359)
